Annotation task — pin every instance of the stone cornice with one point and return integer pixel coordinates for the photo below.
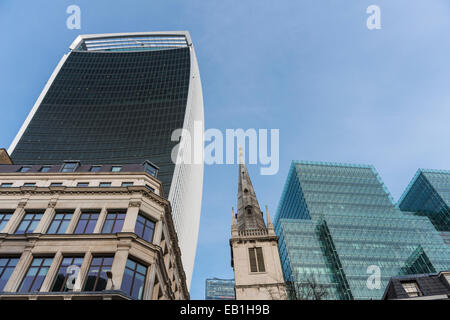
(84, 190)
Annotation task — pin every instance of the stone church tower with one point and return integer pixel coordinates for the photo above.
(254, 248)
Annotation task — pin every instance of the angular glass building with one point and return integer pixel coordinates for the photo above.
(118, 98)
(219, 289)
(339, 227)
(428, 194)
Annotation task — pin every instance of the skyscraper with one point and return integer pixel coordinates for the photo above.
(219, 289)
(428, 194)
(339, 228)
(117, 98)
(254, 251)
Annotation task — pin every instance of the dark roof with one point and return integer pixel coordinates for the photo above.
(56, 168)
(429, 285)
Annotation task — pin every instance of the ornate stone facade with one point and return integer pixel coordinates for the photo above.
(134, 194)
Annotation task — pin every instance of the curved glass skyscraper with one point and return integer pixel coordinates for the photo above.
(117, 98)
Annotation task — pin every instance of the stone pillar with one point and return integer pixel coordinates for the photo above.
(101, 220)
(16, 218)
(131, 217)
(51, 274)
(46, 218)
(73, 223)
(83, 272)
(118, 267)
(149, 283)
(158, 233)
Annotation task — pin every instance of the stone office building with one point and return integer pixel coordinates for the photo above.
(76, 231)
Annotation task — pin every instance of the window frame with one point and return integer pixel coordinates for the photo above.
(4, 268)
(64, 213)
(104, 185)
(256, 254)
(151, 221)
(82, 184)
(66, 276)
(408, 285)
(135, 271)
(116, 214)
(65, 170)
(22, 168)
(90, 213)
(39, 268)
(97, 167)
(99, 272)
(3, 214)
(27, 229)
(45, 167)
(6, 185)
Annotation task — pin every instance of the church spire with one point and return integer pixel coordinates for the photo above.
(249, 214)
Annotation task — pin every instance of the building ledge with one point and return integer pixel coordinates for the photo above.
(82, 295)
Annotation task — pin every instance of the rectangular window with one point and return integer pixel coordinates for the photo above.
(87, 223)
(412, 289)
(150, 188)
(82, 184)
(96, 279)
(134, 279)
(114, 222)
(29, 222)
(95, 168)
(127, 184)
(116, 168)
(60, 223)
(24, 169)
(256, 260)
(69, 167)
(105, 184)
(56, 184)
(6, 185)
(4, 219)
(29, 184)
(7, 265)
(67, 274)
(144, 228)
(45, 169)
(36, 274)
(151, 170)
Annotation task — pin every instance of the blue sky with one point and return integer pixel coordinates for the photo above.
(337, 91)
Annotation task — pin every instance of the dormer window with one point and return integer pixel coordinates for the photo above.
(24, 169)
(69, 166)
(151, 169)
(412, 289)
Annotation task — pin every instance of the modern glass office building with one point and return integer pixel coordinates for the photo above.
(338, 226)
(117, 98)
(219, 289)
(428, 194)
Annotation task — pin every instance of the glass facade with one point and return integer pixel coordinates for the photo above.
(105, 107)
(219, 289)
(337, 223)
(428, 194)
